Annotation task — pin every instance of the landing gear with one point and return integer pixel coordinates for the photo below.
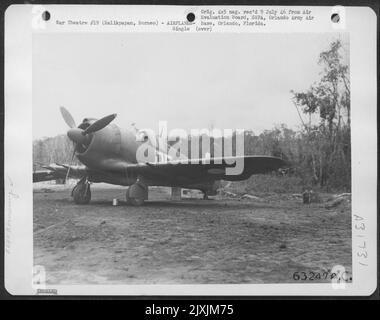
(205, 195)
(137, 194)
(81, 192)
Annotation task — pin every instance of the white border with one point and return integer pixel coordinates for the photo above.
(20, 23)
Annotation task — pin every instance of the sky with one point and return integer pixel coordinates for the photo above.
(192, 81)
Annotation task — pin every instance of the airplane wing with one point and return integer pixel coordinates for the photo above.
(44, 175)
(214, 168)
(58, 171)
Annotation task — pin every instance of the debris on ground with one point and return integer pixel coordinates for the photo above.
(251, 197)
(228, 194)
(338, 200)
(346, 196)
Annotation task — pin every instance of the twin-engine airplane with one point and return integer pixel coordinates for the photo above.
(108, 154)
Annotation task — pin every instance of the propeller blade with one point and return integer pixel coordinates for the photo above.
(67, 117)
(100, 124)
(71, 162)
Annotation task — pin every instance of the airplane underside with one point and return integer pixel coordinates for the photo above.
(137, 192)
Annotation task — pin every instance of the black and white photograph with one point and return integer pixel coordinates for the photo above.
(106, 216)
(192, 158)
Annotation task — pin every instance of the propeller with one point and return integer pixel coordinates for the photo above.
(67, 117)
(100, 124)
(81, 136)
(70, 164)
(78, 135)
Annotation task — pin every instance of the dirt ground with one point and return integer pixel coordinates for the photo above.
(191, 241)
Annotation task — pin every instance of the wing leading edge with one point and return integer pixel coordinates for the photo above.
(213, 168)
(185, 171)
(58, 171)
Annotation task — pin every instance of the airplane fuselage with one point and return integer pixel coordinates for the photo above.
(117, 148)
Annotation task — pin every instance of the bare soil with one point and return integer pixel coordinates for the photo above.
(191, 241)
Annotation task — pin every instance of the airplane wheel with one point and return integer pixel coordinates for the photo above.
(82, 193)
(136, 202)
(136, 194)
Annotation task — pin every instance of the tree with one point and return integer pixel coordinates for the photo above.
(55, 149)
(329, 147)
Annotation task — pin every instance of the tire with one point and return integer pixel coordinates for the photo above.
(136, 195)
(136, 202)
(82, 194)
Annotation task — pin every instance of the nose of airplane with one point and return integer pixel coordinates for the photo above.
(76, 135)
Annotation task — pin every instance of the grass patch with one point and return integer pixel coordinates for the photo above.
(261, 183)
